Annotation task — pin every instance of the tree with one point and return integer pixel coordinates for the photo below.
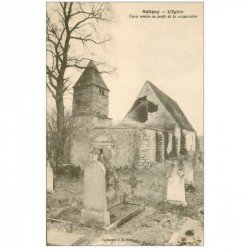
(69, 24)
(56, 139)
(72, 31)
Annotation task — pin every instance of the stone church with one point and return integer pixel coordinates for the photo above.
(154, 128)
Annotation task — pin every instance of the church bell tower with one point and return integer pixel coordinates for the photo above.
(91, 96)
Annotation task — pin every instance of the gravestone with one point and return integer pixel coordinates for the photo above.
(94, 213)
(50, 179)
(189, 172)
(176, 187)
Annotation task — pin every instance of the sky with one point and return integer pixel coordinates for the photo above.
(166, 51)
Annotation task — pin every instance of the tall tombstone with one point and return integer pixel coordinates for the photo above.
(94, 212)
(189, 172)
(176, 187)
(50, 179)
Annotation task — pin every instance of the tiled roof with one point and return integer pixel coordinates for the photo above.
(91, 76)
(172, 107)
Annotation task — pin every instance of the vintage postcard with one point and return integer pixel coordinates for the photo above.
(124, 124)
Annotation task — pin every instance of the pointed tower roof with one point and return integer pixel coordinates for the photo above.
(172, 107)
(91, 76)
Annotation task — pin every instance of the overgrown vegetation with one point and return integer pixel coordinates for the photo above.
(133, 181)
(56, 139)
(153, 226)
(70, 25)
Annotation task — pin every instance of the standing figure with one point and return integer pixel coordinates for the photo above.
(101, 158)
(176, 186)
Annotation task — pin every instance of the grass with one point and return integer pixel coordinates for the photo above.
(154, 226)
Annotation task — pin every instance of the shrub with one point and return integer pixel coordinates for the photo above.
(133, 181)
(69, 170)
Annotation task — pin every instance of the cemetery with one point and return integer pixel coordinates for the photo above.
(124, 125)
(138, 214)
(139, 182)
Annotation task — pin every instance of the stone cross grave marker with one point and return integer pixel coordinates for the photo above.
(95, 211)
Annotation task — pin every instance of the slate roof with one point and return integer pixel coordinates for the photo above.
(91, 76)
(172, 107)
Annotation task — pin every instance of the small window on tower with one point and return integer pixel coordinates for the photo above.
(101, 92)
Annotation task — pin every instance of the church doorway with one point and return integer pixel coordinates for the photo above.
(105, 145)
(105, 154)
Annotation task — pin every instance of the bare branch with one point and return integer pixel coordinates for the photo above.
(67, 24)
(88, 39)
(51, 91)
(100, 71)
(50, 73)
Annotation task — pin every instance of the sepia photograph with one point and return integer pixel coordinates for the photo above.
(124, 124)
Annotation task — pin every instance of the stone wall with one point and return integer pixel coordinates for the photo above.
(177, 140)
(91, 100)
(79, 141)
(189, 140)
(144, 148)
(166, 138)
(83, 131)
(159, 146)
(152, 145)
(170, 143)
(129, 145)
(100, 102)
(125, 147)
(83, 101)
(133, 145)
(102, 122)
(161, 119)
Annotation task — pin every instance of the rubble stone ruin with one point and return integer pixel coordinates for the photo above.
(154, 128)
(141, 108)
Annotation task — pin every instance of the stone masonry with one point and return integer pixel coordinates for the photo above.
(159, 146)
